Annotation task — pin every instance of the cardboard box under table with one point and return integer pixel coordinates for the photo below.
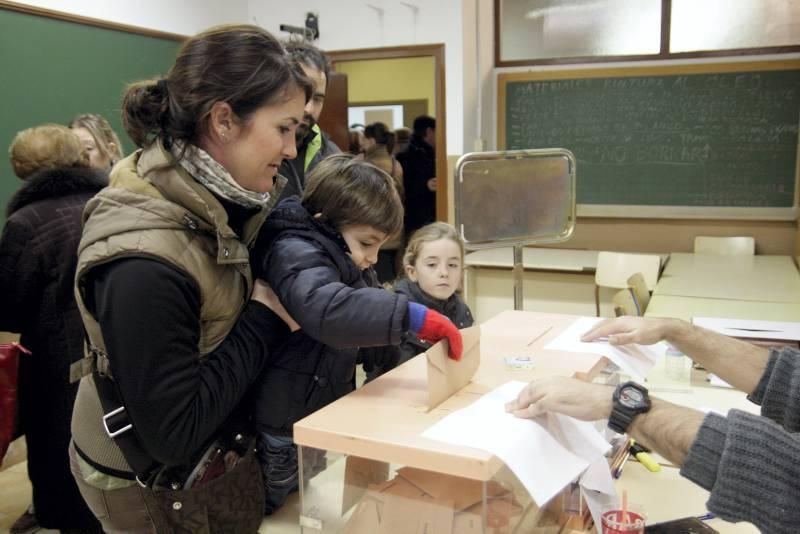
(366, 469)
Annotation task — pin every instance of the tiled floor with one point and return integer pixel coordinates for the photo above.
(15, 496)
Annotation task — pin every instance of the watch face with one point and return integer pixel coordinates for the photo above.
(631, 397)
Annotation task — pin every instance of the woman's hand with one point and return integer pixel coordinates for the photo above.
(264, 294)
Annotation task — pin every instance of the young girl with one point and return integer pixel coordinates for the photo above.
(317, 254)
(433, 263)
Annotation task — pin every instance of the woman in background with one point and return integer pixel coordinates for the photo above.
(100, 141)
(37, 268)
(378, 145)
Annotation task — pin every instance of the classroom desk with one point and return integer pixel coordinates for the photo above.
(688, 307)
(747, 278)
(554, 281)
(540, 259)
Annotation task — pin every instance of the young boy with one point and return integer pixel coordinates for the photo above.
(317, 254)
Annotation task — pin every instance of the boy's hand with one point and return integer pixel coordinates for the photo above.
(432, 326)
(264, 294)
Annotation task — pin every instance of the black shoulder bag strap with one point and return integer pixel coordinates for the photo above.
(116, 422)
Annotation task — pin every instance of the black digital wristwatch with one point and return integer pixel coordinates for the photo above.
(630, 399)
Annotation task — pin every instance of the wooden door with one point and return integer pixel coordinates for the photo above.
(333, 119)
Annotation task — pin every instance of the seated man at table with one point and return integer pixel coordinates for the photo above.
(750, 464)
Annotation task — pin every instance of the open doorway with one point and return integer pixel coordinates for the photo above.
(420, 63)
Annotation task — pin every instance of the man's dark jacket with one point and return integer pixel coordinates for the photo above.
(419, 166)
(295, 170)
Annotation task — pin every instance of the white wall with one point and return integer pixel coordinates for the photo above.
(348, 24)
(344, 24)
(184, 17)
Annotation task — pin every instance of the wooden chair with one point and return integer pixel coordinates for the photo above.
(639, 287)
(725, 246)
(614, 269)
(625, 303)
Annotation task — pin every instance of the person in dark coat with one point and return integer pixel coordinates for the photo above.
(434, 266)
(37, 270)
(319, 256)
(419, 174)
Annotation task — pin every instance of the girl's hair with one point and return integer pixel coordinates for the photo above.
(104, 136)
(242, 65)
(48, 146)
(426, 234)
(348, 190)
(380, 133)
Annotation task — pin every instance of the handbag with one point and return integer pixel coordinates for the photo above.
(231, 502)
(9, 365)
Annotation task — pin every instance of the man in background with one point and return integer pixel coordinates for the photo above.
(419, 174)
(313, 145)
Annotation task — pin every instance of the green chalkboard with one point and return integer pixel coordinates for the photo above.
(54, 69)
(662, 137)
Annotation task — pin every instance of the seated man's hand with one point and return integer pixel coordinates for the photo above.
(625, 330)
(568, 396)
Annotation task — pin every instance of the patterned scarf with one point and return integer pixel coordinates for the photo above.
(208, 172)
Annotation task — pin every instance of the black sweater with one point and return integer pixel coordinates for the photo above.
(149, 313)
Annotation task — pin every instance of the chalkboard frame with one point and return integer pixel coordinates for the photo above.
(657, 212)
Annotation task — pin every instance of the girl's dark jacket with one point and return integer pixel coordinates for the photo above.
(38, 254)
(339, 308)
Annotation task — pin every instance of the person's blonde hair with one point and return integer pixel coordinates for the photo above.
(48, 146)
(347, 190)
(104, 135)
(426, 234)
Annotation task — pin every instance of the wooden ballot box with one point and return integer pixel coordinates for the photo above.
(366, 468)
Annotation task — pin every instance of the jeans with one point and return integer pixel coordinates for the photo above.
(278, 458)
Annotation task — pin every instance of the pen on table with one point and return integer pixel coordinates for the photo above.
(706, 517)
(619, 464)
(539, 336)
(640, 453)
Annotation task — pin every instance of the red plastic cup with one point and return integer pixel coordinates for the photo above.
(631, 522)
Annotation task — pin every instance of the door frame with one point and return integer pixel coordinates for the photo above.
(425, 50)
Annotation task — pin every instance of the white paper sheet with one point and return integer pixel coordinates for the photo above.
(752, 329)
(716, 381)
(545, 454)
(635, 360)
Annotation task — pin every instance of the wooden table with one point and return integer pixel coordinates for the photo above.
(384, 419)
(540, 259)
(688, 307)
(667, 495)
(744, 278)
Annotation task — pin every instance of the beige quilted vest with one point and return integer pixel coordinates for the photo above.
(154, 210)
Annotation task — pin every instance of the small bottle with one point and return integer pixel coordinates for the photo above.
(675, 365)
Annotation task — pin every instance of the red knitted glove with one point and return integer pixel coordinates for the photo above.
(435, 327)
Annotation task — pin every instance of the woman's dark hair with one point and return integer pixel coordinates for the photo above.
(380, 133)
(242, 65)
(348, 190)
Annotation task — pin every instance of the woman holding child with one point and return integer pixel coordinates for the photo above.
(176, 333)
